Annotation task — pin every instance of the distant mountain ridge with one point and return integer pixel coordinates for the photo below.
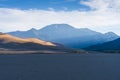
(112, 46)
(67, 35)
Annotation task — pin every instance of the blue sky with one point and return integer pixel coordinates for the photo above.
(44, 4)
(99, 15)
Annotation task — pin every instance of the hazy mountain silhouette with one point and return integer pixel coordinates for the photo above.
(112, 46)
(67, 35)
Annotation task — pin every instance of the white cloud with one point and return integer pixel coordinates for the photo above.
(51, 9)
(102, 5)
(104, 17)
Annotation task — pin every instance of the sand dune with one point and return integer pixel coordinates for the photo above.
(35, 40)
(6, 38)
(14, 45)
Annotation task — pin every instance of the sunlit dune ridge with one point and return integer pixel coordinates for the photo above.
(5, 38)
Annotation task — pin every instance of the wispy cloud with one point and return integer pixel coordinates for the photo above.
(103, 5)
(101, 18)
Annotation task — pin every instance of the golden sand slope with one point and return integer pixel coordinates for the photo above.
(6, 38)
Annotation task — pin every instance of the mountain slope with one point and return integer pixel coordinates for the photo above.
(67, 35)
(8, 42)
(106, 47)
(32, 33)
(5, 38)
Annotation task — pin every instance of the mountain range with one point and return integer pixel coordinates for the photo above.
(67, 35)
(12, 43)
(112, 46)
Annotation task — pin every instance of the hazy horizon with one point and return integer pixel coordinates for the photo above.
(58, 24)
(98, 15)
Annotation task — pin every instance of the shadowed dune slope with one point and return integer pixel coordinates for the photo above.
(12, 43)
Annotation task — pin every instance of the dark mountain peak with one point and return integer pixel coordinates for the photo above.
(58, 26)
(111, 34)
(33, 29)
